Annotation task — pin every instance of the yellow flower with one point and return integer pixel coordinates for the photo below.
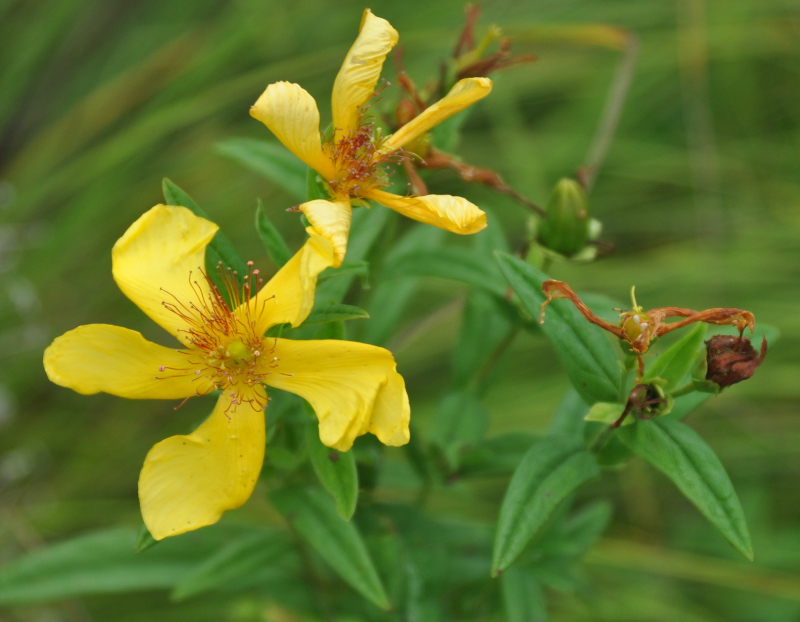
(352, 162)
(187, 482)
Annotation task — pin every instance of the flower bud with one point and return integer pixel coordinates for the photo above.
(731, 359)
(565, 227)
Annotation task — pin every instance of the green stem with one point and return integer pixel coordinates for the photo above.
(684, 390)
(608, 122)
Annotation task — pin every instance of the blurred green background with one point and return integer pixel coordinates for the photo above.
(700, 194)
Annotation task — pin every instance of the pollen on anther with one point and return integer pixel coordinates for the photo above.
(161, 368)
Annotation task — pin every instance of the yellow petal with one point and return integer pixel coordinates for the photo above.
(100, 357)
(332, 221)
(355, 83)
(187, 482)
(454, 214)
(289, 295)
(291, 114)
(353, 387)
(159, 260)
(463, 94)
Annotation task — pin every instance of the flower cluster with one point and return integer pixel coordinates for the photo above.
(188, 481)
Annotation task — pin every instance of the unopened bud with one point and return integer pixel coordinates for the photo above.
(565, 227)
(731, 359)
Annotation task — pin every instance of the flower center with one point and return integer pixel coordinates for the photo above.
(224, 352)
(359, 164)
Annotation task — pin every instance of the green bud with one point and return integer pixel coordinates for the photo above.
(565, 227)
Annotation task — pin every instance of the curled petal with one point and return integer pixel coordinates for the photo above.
(289, 295)
(187, 482)
(332, 221)
(159, 260)
(100, 357)
(353, 387)
(463, 94)
(291, 114)
(454, 214)
(355, 82)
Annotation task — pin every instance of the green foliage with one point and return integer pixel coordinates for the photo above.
(271, 160)
(313, 516)
(103, 562)
(678, 451)
(589, 359)
(273, 240)
(550, 471)
(674, 364)
(336, 471)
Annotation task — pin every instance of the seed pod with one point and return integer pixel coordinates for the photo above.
(731, 359)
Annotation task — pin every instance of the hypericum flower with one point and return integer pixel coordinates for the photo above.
(187, 482)
(352, 161)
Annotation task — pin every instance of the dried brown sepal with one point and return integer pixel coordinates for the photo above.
(437, 159)
(555, 290)
(731, 359)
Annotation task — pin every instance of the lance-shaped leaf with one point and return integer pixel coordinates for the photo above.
(241, 557)
(313, 515)
(551, 470)
(276, 246)
(523, 599)
(271, 160)
(678, 451)
(102, 562)
(454, 263)
(674, 364)
(336, 471)
(589, 358)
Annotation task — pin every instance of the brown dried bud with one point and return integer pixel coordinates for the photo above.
(732, 359)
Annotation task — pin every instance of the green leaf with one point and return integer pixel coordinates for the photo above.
(313, 515)
(523, 599)
(331, 330)
(103, 563)
(334, 313)
(460, 421)
(348, 269)
(270, 159)
(683, 456)
(220, 248)
(336, 471)
(568, 418)
(144, 540)
(589, 358)
(393, 295)
(675, 363)
(242, 557)
(454, 263)
(551, 470)
(276, 246)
